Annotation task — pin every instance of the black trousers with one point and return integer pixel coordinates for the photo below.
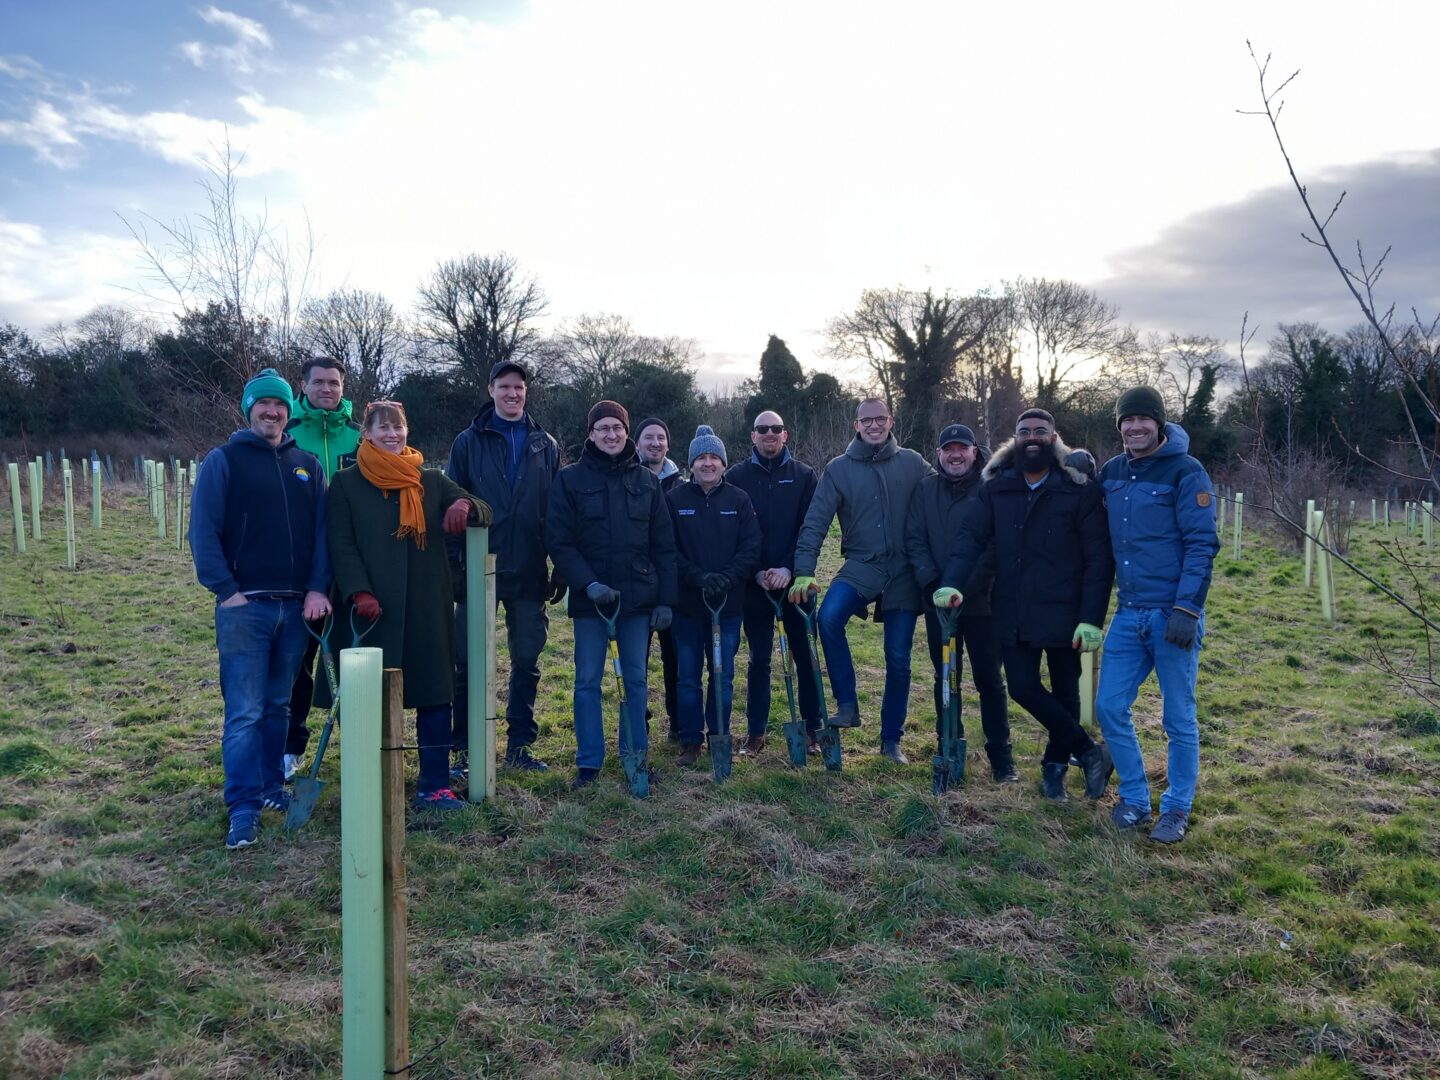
(1058, 709)
(977, 633)
(668, 668)
(301, 695)
(527, 626)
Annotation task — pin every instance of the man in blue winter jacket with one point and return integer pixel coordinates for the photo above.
(1162, 527)
(257, 535)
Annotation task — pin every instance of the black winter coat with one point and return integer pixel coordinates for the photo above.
(781, 492)
(608, 522)
(714, 533)
(477, 463)
(1054, 567)
(937, 511)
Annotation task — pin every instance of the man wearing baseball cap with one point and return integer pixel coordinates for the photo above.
(257, 535)
(507, 459)
(936, 511)
(1162, 528)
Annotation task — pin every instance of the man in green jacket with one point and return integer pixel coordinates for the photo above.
(321, 426)
(869, 487)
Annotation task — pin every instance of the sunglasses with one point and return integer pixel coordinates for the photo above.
(768, 429)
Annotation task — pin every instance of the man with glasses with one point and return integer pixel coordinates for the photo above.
(780, 489)
(608, 529)
(508, 460)
(1054, 569)
(869, 487)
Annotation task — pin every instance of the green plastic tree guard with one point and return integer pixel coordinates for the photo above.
(480, 652)
(17, 508)
(68, 479)
(362, 883)
(37, 496)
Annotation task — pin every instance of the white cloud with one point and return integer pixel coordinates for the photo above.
(47, 132)
(46, 277)
(242, 55)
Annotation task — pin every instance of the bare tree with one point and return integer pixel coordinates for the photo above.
(1068, 326)
(478, 310)
(360, 328)
(597, 349)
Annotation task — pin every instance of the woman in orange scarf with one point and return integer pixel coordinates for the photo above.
(386, 514)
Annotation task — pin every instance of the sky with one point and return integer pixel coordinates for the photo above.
(723, 172)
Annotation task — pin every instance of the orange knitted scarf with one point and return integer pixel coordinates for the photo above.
(397, 472)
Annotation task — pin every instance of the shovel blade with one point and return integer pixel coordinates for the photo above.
(302, 802)
(722, 755)
(955, 752)
(830, 747)
(637, 774)
(940, 774)
(795, 743)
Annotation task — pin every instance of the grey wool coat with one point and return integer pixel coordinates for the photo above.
(417, 622)
(870, 488)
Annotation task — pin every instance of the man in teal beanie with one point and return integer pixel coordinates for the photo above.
(320, 424)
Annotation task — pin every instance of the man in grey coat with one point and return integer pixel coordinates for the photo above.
(869, 487)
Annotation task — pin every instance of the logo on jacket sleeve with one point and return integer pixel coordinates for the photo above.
(1202, 498)
(302, 474)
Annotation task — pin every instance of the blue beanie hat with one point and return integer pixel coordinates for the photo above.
(266, 383)
(706, 442)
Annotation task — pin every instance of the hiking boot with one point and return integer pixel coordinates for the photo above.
(892, 751)
(846, 715)
(584, 778)
(1098, 767)
(1004, 774)
(1170, 829)
(443, 800)
(1052, 780)
(812, 743)
(519, 757)
(753, 745)
(1127, 816)
(292, 765)
(279, 799)
(244, 831)
(460, 767)
(1002, 763)
(689, 755)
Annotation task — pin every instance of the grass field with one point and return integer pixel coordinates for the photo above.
(781, 925)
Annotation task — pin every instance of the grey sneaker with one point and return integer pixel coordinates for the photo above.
(1127, 816)
(292, 765)
(1170, 829)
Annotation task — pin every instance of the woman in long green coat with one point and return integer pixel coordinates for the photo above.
(386, 514)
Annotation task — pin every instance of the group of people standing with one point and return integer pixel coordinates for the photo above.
(305, 508)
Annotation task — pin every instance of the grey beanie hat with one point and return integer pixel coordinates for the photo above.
(706, 442)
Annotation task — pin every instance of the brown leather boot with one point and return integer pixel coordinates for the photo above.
(689, 755)
(753, 745)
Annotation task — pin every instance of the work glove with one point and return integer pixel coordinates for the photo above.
(802, 589)
(1181, 629)
(558, 588)
(947, 598)
(1087, 638)
(366, 604)
(660, 618)
(602, 594)
(482, 511)
(714, 585)
(458, 516)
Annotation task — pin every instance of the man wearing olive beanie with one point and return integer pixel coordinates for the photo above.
(1162, 527)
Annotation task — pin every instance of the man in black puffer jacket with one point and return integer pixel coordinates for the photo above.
(1054, 569)
(608, 530)
(937, 509)
(717, 542)
(507, 459)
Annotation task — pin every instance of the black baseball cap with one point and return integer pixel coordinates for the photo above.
(956, 433)
(508, 365)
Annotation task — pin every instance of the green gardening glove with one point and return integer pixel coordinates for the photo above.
(1087, 638)
(801, 589)
(947, 598)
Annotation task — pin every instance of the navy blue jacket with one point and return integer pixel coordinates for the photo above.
(780, 490)
(257, 519)
(1053, 568)
(1162, 526)
(608, 522)
(937, 510)
(478, 460)
(715, 533)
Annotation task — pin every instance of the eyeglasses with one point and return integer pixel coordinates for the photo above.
(609, 429)
(870, 421)
(1032, 433)
(768, 429)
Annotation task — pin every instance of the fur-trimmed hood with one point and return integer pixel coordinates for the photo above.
(1004, 457)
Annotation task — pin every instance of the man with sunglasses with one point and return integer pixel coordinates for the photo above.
(780, 489)
(1054, 569)
(869, 487)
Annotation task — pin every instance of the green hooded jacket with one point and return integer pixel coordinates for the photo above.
(329, 434)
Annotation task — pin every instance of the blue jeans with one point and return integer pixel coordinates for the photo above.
(692, 656)
(1134, 646)
(841, 602)
(591, 661)
(260, 645)
(759, 625)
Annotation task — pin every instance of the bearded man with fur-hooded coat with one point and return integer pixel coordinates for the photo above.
(1054, 569)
